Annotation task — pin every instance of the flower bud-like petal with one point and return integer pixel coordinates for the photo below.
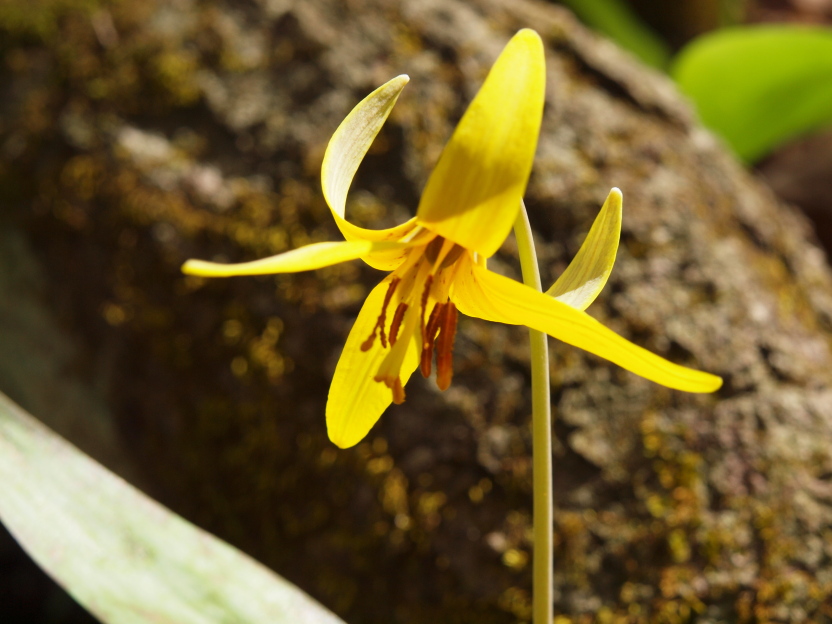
(473, 195)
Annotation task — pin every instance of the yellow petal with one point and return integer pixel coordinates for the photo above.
(483, 294)
(356, 401)
(307, 258)
(345, 152)
(587, 274)
(390, 257)
(473, 195)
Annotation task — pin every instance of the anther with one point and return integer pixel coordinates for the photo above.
(398, 392)
(433, 249)
(424, 302)
(396, 322)
(451, 257)
(445, 347)
(428, 337)
(433, 323)
(367, 344)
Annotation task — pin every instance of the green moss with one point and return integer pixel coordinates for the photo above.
(41, 19)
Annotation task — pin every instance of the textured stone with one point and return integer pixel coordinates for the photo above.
(198, 131)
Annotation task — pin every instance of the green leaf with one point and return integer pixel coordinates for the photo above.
(616, 20)
(120, 554)
(759, 86)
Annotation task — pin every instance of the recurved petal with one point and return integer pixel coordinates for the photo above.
(307, 258)
(347, 149)
(586, 275)
(483, 294)
(355, 400)
(389, 258)
(473, 195)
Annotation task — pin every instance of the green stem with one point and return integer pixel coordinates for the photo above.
(542, 563)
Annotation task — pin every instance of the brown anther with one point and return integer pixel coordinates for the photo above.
(424, 302)
(365, 346)
(396, 322)
(452, 256)
(433, 249)
(382, 317)
(433, 323)
(427, 360)
(428, 337)
(445, 347)
(398, 391)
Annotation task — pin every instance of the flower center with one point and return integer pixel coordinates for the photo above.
(419, 285)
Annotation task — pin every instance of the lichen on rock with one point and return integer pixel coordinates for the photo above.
(142, 134)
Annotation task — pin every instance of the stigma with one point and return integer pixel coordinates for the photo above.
(417, 307)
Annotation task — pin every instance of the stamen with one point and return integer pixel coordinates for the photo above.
(367, 344)
(425, 295)
(433, 322)
(397, 320)
(391, 365)
(398, 392)
(387, 297)
(433, 249)
(453, 256)
(445, 347)
(428, 337)
(426, 361)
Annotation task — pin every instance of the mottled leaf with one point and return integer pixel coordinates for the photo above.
(123, 556)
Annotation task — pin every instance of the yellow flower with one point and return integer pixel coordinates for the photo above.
(438, 258)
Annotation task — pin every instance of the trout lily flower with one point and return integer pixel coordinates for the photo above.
(437, 259)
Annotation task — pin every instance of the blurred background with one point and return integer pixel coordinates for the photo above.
(134, 135)
(796, 162)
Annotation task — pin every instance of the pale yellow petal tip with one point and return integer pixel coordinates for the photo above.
(615, 202)
(343, 439)
(395, 85)
(529, 35)
(342, 443)
(531, 40)
(202, 268)
(715, 383)
(697, 382)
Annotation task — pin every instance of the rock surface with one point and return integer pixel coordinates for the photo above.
(137, 135)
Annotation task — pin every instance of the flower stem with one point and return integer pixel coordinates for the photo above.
(542, 561)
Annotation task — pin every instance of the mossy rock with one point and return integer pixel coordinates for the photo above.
(137, 136)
